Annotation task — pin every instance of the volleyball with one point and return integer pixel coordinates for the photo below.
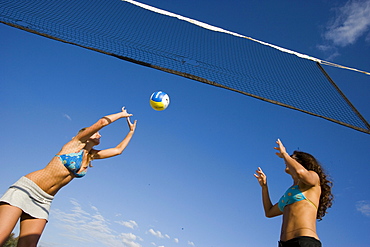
(159, 101)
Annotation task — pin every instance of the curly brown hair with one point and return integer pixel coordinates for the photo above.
(310, 163)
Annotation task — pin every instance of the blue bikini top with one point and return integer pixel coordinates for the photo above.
(72, 162)
(292, 195)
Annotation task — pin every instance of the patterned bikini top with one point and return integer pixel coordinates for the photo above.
(292, 195)
(72, 162)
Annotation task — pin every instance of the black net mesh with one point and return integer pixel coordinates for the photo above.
(135, 34)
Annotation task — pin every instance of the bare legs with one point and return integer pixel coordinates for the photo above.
(9, 216)
(30, 228)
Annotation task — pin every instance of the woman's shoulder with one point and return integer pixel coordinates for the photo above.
(310, 186)
(73, 146)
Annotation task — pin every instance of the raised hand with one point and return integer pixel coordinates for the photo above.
(261, 177)
(132, 126)
(125, 113)
(280, 148)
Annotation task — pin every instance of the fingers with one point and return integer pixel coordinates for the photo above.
(278, 142)
(125, 111)
(259, 172)
(132, 126)
(260, 176)
(129, 121)
(280, 148)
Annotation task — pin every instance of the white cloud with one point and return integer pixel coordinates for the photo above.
(129, 240)
(154, 244)
(130, 224)
(324, 47)
(363, 207)
(191, 243)
(86, 226)
(82, 226)
(331, 50)
(156, 233)
(351, 22)
(67, 117)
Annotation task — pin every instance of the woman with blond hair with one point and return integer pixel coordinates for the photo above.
(29, 199)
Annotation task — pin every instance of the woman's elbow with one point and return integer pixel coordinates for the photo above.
(269, 215)
(117, 151)
(272, 213)
(104, 121)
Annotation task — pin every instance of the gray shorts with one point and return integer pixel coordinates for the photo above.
(29, 197)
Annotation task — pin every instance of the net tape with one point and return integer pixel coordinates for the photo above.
(159, 39)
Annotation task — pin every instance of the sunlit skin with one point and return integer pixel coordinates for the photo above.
(95, 138)
(55, 176)
(299, 218)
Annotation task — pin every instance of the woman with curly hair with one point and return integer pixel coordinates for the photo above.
(305, 201)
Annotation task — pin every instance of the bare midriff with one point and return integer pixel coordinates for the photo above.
(51, 178)
(299, 219)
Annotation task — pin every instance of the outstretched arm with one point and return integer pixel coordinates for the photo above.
(307, 177)
(106, 153)
(270, 209)
(104, 121)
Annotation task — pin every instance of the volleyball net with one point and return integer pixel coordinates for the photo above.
(162, 40)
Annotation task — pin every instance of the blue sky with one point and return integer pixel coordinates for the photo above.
(186, 179)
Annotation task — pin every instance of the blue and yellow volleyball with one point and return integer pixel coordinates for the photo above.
(159, 101)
